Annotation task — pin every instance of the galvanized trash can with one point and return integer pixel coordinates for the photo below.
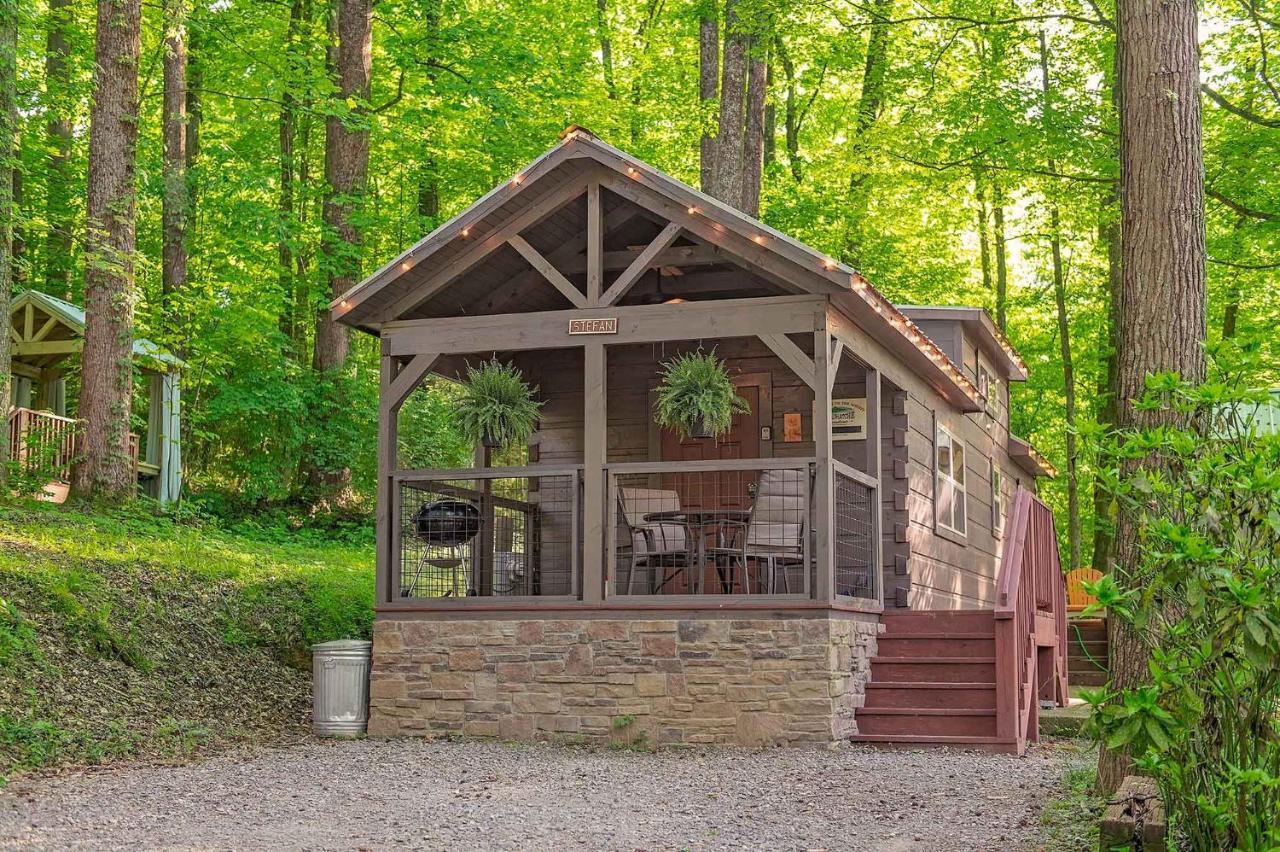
(340, 688)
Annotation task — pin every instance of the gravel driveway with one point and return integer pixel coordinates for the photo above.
(479, 795)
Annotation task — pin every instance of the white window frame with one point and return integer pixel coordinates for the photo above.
(989, 388)
(997, 500)
(944, 436)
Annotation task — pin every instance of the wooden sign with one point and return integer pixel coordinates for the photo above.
(604, 325)
(792, 430)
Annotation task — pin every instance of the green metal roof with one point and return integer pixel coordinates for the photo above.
(73, 317)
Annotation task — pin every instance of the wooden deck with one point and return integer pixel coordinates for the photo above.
(46, 442)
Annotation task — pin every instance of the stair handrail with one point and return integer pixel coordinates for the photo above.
(1030, 584)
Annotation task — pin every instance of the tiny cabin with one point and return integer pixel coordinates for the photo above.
(46, 335)
(861, 556)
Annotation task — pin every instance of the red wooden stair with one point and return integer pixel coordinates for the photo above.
(974, 678)
(933, 681)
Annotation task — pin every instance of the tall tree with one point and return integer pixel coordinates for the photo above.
(708, 89)
(58, 181)
(104, 468)
(8, 160)
(1162, 255)
(288, 131)
(174, 209)
(727, 175)
(1002, 257)
(1064, 324)
(346, 167)
(753, 144)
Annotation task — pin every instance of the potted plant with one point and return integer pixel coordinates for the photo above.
(496, 407)
(696, 397)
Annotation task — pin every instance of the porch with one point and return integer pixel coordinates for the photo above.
(784, 510)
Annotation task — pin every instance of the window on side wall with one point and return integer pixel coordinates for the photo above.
(989, 388)
(949, 461)
(997, 499)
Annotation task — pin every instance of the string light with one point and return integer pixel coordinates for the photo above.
(692, 210)
(404, 267)
(465, 231)
(515, 181)
(759, 238)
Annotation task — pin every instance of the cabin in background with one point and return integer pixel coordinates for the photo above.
(46, 335)
(862, 556)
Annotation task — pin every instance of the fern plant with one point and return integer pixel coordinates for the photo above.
(696, 396)
(496, 407)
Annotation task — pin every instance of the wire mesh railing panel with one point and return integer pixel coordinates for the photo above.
(511, 536)
(853, 533)
(711, 532)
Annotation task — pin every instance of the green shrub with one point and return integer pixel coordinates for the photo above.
(1205, 603)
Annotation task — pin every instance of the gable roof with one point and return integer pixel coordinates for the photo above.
(459, 243)
(72, 316)
(979, 323)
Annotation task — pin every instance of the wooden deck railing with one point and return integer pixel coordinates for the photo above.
(1030, 622)
(42, 440)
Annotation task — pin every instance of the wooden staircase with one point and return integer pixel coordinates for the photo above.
(933, 681)
(975, 678)
(1087, 643)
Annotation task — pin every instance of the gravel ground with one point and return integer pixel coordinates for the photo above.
(479, 795)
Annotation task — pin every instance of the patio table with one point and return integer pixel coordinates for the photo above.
(699, 521)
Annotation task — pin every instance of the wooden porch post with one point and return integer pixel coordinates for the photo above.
(594, 456)
(388, 439)
(874, 469)
(394, 386)
(824, 490)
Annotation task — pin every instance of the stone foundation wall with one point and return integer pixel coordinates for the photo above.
(761, 681)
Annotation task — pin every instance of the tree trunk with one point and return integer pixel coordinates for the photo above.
(105, 469)
(1162, 255)
(753, 145)
(984, 228)
(791, 111)
(708, 89)
(1064, 327)
(58, 209)
(8, 155)
(346, 171)
(870, 102)
(174, 205)
(726, 183)
(1109, 234)
(770, 119)
(290, 319)
(1002, 265)
(606, 48)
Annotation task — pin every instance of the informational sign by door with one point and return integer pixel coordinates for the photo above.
(849, 419)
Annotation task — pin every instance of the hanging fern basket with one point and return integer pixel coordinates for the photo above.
(696, 396)
(496, 407)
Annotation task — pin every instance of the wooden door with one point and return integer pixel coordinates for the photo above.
(720, 489)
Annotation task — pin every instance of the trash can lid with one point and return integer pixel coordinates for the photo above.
(342, 645)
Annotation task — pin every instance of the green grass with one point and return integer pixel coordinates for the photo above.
(1071, 820)
(125, 635)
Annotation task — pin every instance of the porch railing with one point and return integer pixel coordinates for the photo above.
(511, 532)
(46, 442)
(855, 533)
(717, 528)
(43, 441)
(690, 532)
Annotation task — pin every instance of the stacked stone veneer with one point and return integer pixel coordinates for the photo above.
(759, 681)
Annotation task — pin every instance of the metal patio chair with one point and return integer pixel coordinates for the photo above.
(655, 546)
(772, 537)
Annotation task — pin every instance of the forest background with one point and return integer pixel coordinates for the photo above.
(956, 152)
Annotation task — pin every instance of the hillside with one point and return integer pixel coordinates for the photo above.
(125, 636)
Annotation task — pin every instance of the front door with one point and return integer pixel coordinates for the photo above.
(719, 489)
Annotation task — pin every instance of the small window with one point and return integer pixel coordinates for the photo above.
(949, 507)
(989, 388)
(997, 499)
